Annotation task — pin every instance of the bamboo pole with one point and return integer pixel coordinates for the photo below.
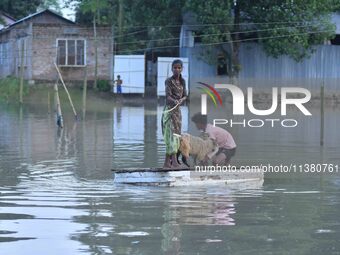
(21, 72)
(60, 121)
(84, 92)
(68, 94)
(48, 103)
(322, 114)
(95, 50)
(21, 131)
(113, 57)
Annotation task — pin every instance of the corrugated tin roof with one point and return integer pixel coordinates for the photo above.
(41, 12)
(7, 15)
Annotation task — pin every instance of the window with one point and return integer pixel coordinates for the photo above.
(198, 37)
(336, 40)
(81, 52)
(71, 52)
(222, 66)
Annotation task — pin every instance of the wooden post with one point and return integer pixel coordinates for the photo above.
(113, 58)
(95, 51)
(68, 94)
(48, 102)
(322, 114)
(60, 121)
(84, 91)
(145, 74)
(21, 131)
(21, 72)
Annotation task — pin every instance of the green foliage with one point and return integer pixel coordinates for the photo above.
(138, 24)
(104, 85)
(161, 17)
(299, 25)
(102, 9)
(92, 6)
(9, 89)
(52, 5)
(217, 13)
(282, 27)
(19, 8)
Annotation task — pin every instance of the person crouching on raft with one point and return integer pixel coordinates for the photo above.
(175, 93)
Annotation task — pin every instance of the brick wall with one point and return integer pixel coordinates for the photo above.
(44, 52)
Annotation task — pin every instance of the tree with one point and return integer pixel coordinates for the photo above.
(282, 27)
(50, 4)
(219, 14)
(302, 24)
(139, 24)
(160, 20)
(94, 7)
(19, 8)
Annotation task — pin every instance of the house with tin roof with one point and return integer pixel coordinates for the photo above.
(39, 40)
(5, 20)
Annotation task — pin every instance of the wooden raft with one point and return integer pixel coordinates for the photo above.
(182, 177)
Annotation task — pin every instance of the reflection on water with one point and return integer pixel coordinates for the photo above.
(57, 195)
(137, 135)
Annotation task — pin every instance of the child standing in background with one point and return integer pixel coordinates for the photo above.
(119, 83)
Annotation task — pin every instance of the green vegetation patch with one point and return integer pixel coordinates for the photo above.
(9, 89)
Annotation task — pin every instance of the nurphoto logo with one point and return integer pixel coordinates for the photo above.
(239, 105)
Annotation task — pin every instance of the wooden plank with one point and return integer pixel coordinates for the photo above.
(155, 169)
(150, 177)
(185, 176)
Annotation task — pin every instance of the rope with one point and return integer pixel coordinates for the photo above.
(173, 108)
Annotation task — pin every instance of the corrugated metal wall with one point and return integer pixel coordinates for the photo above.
(259, 70)
(323, 66)
(324, 62)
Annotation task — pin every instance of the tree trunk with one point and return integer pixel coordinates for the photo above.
(120, 23)
(236, 41)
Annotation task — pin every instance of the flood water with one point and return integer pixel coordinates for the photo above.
(57, 194)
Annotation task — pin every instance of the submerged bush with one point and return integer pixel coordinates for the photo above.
(104, 85)
(9, 89)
